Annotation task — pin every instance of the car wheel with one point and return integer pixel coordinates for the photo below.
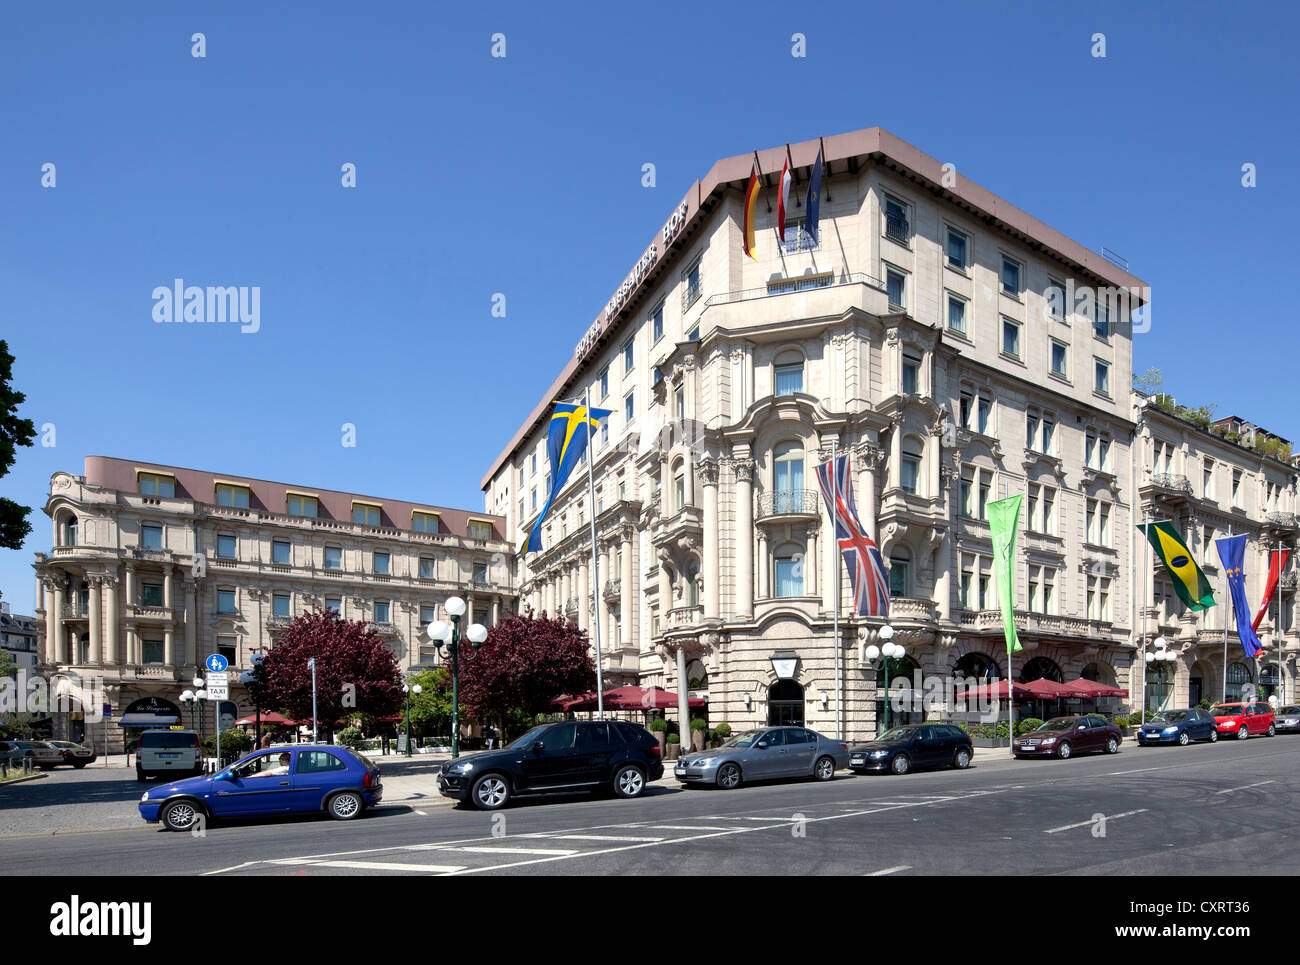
(629, 781)
(729, 777)
(1243, 733)
(80, 764)
(962, 760)
(1112, 745)
(1272, 730)
(1214, 736)
(901, 764)
(1184, 739)
(1063, 751)
(345, 806)
(824, 769)
(491, 791)
(180, 815)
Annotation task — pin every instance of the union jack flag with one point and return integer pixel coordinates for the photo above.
(867, 574)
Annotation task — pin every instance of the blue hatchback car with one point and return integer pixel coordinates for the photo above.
(302, 778)
(1178, 727)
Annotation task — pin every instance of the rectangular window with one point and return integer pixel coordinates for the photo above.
(301, 505)
(381, 611)
(226, 547)
(958, 249)
(151, 536)
(956, 314)
(1049, 511)
(534, 499)
(333, 557)
(1031, 431)
(1207, 480)
(428, 614)
(629, 354)
(1236, 488)
(965, 406)
(657, 323)
(1090, 451)
(228, 648)
(629, 406)
(533, 468)
(1031, 508)
(1103, 524)
(280, 605)
(694, 334)
(910, 474)
(427, 570)
(789, 378)
(1034, 574)
(225, 601)
(381, 561)
(1101, 379)
(151, 594)
(1055, 296)
(679, 492)
(603, 382)
(967, 492)
(152, 652)
(1060, 358)
(789, 576)
(985, 410)
(691, 288)
(280, 552)
(898, 582)
(911, 375)
(480, 573)
(897, 223)
(365, 514)
(1049, 436)
(1090, 522)
(679, 402)
(1010, 276)
(896, 286)
(157, 484)
(233, 496)
(986, 488)
(425, 522)
(1103, 455)
(1101, 319)
(1010, 338)
(479, 529)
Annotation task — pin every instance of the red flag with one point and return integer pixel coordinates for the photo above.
(1274, 569)
(783, 198)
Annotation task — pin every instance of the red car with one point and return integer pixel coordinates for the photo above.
(1240, 720)
(1063, 736)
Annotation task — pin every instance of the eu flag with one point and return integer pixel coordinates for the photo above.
(814, 200)
(567, 438)
(1232, 550)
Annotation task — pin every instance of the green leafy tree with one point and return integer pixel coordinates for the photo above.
(431, 707)
(1148, 381)
(14, 432)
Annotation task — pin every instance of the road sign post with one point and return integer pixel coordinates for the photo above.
(218, 684)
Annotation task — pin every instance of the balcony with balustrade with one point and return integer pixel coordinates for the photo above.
(787, 505)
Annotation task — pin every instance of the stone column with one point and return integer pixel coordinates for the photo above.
(131, 598)
(744, 537)
(191, 623)
(810, 561)
(932, 457)
(943, 579)
(683, 699)
(469, 610)
(111, 653)
(167, 586)
(868, 458)
(626, 599)
(895, 453)
(764, 568)
(708, 470)
(665, 591)
(666, 507)
(96, 651)
(169, 646)
(602, 606)
(688, 484)
(584, 596)
(496, 610)
(60, 643)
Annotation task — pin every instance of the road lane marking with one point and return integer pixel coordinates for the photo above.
(691, 827)
(587, 837)
(1229, 790)
(488, 849)
(888, 871)
(427, 869)
(1082, 824)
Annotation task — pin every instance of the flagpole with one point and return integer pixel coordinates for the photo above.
(595, 560)
(1146, 598)
(1227, 579)
(835, 549)
(1281, 680)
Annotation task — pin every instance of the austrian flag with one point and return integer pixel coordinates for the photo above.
(867, 574)
(783, 198)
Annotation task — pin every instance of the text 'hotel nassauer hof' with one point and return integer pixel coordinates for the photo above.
(936, 333)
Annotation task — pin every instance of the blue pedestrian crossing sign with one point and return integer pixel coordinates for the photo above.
(216, 663)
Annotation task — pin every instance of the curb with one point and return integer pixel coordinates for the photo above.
(24, 780)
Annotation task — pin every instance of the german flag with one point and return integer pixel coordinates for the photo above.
(1189, 582)
(751, 199)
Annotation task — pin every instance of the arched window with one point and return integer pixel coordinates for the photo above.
(1240, 683)
(1040, 668)
(787, 564)
(1268, 681)
(697, 678)
(977, 665)
(1102, 673)
(785, 704)
(788, 373)
(909, 469)
(70, 531)
(787, 476)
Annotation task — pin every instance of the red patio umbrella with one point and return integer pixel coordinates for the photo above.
(1045, 689)
(997, 691)
(1096, 688)
(628, 698)
(269, 717)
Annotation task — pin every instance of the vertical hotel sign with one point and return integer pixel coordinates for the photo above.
(672, 227)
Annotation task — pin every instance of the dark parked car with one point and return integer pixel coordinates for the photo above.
(597, 755)
(1288, 719)
(1065, 736)
(301, 778)
(765, 754)
(900, 749)
(1179, 727)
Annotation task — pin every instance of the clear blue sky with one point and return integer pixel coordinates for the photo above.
(522, 176)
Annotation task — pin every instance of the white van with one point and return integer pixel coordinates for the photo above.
(168, 752)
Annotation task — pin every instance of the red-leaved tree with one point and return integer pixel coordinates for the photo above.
(355, 671)
(525, 663)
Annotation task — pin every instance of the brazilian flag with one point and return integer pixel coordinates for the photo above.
(1189, 582)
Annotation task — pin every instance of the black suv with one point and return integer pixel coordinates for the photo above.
(598, 755)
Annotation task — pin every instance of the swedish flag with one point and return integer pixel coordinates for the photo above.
(567, 438)
(1189, 581)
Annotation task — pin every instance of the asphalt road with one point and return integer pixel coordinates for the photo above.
(1220, 809)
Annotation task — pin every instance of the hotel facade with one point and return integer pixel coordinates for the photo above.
(153, 567)
(957, 349)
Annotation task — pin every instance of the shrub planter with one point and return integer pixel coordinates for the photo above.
(988, 741)
(674, 751)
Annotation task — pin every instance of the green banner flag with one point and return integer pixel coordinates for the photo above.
(1004, 520)
(1189, 580)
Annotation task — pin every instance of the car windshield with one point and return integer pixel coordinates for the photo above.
(746, 739)
(897, 734)
(522, 742)
(1169, 717)
(165, 738)
(1057, 723)
(1226, 710)
(1291, 709)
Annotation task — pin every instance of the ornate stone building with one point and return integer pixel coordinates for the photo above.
(154, 567)
(933, 332)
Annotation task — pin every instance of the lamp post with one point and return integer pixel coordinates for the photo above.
(448, 637)
(884, 654)
(188, 698)
(311, 662)
(408, 691)
(1160, 662)
(248, 678)
(194, 698)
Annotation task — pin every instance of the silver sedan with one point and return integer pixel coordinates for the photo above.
(766, 754)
